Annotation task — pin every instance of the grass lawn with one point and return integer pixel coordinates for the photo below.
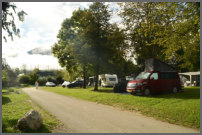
(14, 106)
(181, 108)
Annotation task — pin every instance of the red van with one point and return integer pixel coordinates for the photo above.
(150, 82)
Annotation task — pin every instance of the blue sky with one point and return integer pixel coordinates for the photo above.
(40, 29)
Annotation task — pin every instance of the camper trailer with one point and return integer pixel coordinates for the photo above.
(108, 80)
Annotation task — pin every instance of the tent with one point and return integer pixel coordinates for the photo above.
(194, 78)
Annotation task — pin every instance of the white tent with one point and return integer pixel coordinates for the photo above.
(191, 74)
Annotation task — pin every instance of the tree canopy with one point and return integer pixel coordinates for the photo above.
(92, 41)
(164, 30)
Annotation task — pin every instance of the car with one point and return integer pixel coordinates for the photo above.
(120, 87)
(65, 83)
(50, 84)
(150, 82)
(76, 83)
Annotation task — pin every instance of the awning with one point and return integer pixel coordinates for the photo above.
(190, 73)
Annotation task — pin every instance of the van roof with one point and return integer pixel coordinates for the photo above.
(161, 71)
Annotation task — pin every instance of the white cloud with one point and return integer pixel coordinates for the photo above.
(39, 28)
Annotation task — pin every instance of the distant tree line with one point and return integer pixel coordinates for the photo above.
(23, 77)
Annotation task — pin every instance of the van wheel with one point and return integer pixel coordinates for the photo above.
(147, 91)
(174, 90)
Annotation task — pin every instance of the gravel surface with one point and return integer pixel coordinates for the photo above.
(79, 116)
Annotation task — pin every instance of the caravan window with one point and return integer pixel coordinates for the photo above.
(112, 79)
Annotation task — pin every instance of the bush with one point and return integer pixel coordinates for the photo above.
(42, 81)
(50, 79)
(25, 79)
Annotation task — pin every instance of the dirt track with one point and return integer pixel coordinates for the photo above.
(79, 116)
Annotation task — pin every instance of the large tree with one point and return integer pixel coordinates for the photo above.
(168, 31)
(142, 22)
(92, 41)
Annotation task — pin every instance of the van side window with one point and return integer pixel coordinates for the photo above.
(155, 76)
(168, 75)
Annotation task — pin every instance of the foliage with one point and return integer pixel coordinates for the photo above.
(181, 108)
(50, 79)
(88, 42)
(63, 51)
(33, 76)
(183, 36)
(164, 30)
(5, 78)
(25, 79)
(42, 81)
(59, 79)
(9, 76)
(8, 19)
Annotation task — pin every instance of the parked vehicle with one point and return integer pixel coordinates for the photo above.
(91, 81)
(65, 83)
(120, 87)
(76, 83)
(150, 82)
(108, 80)
(50, 84)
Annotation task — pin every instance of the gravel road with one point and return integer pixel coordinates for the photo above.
(79, 116)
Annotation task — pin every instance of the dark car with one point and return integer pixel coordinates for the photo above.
(77, 83)
(150, 82)
(122, 84)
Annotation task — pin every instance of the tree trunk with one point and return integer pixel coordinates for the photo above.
(84, 77)
(96, 78)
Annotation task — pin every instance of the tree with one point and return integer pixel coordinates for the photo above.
(50, 79)
(8, 24)
(164, 30)
(143, 21)
(64, 52)
(94, 25)
(92, 42)
(25, 79)
(5, 78)
(33, 76)
(183, 36)
(8, 75)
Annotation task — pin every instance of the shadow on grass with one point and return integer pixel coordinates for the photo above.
(13, 124)
(43, 129)
(104, 90)
(5, 100)
(187, 94)
(5, 92)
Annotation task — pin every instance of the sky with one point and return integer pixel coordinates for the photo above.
(40, 29)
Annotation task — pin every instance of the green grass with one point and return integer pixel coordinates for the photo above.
(14, 106)
(181, 108)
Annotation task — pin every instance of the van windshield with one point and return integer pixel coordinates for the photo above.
(143, 75)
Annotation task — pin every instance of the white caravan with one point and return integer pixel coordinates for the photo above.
(108, 80)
